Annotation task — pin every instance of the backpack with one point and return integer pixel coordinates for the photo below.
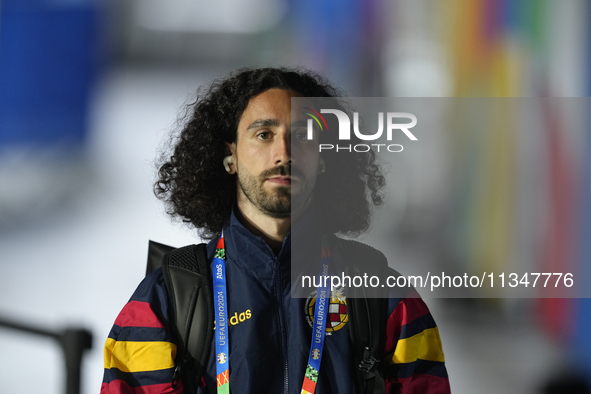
(186, 272)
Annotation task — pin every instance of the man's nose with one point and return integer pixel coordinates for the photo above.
(282, 149)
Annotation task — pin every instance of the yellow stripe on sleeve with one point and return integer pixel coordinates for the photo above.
(130, 356)
(425, 345)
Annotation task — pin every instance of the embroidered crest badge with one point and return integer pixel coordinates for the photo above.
(337, 310)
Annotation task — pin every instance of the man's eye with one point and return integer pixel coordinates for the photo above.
(302, 135)
(265, 135)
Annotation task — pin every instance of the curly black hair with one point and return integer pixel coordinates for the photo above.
(196, 188)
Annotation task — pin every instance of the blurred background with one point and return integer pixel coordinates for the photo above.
(90, 89)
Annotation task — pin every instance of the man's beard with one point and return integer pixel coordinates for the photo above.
(278, 202)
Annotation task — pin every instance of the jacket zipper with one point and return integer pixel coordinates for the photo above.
(282, 326)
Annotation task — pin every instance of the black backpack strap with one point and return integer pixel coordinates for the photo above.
(367, 319)
(156, 252)
(186, 274)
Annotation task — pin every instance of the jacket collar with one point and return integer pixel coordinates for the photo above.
(241, 243)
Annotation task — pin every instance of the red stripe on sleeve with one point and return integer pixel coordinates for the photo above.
(418, 383)
(120, 387)
(137, 314)
(408, 310)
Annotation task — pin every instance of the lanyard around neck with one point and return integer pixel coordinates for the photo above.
(320, 317)
(221, 320)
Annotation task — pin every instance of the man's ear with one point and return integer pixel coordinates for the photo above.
(230, 158)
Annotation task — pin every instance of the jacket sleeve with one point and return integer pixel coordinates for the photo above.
(414, 361)
(139, 353)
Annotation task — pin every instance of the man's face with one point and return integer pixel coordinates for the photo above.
(270, 178)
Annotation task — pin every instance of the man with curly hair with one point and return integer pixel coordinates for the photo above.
(243, 172)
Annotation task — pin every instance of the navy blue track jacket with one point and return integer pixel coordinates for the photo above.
(269, 334)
